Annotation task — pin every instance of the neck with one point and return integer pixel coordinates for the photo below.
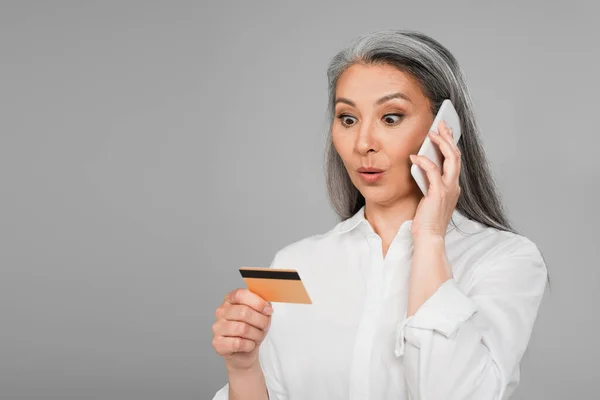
(387, 219)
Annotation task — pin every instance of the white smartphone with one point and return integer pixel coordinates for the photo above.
(430, 149)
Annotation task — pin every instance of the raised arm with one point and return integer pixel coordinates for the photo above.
(466, 342)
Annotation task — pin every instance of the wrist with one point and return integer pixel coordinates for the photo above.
(247, 383)
(428, 239)
(244, 371)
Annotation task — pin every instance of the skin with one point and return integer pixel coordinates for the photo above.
(242, 322)
(387, 136)
(371, 135)
(366, 135)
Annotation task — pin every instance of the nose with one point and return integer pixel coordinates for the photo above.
(366, 137)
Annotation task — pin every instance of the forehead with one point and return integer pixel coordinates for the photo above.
(373, 81)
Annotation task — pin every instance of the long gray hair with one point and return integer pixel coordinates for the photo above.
(440, 77)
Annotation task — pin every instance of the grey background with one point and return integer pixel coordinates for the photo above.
(150, 149)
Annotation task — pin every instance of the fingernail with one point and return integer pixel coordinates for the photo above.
(433, 132)
(268, 310)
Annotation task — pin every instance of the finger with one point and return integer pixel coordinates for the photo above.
(448, 133)
(225, 346)
(444, 131)
(243, 313)
(245, 296)
(450, 170)
(238, 329)
(451, 162)
(431, 170)
(452, 178)
(243, 330)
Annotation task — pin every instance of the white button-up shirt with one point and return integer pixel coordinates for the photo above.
(354, 342)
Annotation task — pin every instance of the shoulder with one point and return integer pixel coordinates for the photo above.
(490, 250)
(493, 243)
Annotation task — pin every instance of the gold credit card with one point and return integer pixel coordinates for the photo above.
(273, 284)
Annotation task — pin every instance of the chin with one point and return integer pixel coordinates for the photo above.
(387, 195)
(377, 195)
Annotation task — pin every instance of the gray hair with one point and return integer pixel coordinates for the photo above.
(440, 77)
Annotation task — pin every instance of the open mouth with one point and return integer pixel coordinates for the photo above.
(371, 177)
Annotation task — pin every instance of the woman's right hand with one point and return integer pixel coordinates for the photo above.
(242, 322)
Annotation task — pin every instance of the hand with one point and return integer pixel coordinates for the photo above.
(435, 209)
(243, 320)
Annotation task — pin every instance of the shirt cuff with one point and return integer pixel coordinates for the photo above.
(443, 312)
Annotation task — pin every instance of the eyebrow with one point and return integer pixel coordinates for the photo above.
(382, 100)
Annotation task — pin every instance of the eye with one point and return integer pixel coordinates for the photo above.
(388, 118)
(343, 118)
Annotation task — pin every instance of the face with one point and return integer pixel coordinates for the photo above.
(370, 132)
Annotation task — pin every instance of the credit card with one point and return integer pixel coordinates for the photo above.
(275, 284)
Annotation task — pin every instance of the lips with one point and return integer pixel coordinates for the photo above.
(369, 170)
(370, 175)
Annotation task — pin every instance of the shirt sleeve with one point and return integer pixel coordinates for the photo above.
(467, 343)
(269, 360)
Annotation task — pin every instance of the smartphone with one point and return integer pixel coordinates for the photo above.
(430, 149)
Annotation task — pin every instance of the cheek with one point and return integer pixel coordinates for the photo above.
(401, 149)
(342, 146)
(410, 146)
(398, 154)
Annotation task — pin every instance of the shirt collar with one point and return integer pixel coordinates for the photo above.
(359, 218)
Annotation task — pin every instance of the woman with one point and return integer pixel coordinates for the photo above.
(420, 297)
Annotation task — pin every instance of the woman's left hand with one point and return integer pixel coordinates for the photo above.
(435, 209)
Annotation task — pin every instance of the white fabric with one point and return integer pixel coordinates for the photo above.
(354, 342)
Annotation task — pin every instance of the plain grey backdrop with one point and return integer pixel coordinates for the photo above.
(150, 149)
